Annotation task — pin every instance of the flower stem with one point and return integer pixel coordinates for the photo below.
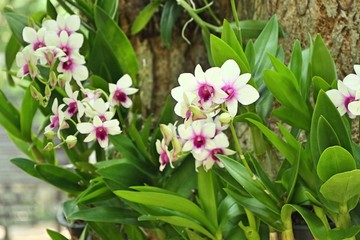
(238, 148)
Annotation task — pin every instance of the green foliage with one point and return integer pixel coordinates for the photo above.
(144, 16)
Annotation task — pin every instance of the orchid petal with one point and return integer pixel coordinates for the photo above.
(247, 95)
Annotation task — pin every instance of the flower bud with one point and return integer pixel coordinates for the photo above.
(35, 93)
(33, 70)
(61, 81)
(167, 133)
(50, 134)
(49, 146)
(197, 113)
(71, 141)
(225, 118)
(47, 91)
(52, 79)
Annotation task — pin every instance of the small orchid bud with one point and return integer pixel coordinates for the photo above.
(176, 146)
(71, 141)
(49, 146)
(52, 79)
(47, 91)
(50, 134)
(225, 118)
(61, 81)
(197, 113)
(35, 93)
(33, 70)
(167, 133)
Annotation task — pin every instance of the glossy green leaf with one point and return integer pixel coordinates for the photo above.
(61, 178)
(169, 201)
(55, 235)
(109, 6)
(28, 108)
(313, 222)
(227, 210)
(146, 129)
(342, 187)
(295, 64)
(319, 84)
(169, 16)
(51, 10)
(95, 192)
(144, 16)
(117, 43)
(136, 137)
(207, 194)
(193, 236)
(106, 231)
(251, 184)
(326, 135)
(26, 165)
(334, 160)
(321, 61)
(326, 109)
(293, 177)
(348, 233)
(267, 42)
(221, 52)
(16, 23)
(99, 82)
(105, 214)
(258, 208)
(179, 221)
(228, 35)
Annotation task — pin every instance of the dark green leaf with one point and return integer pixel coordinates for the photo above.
(296, 61)
(326, 135)
(26, 165)
(321, 61)
(106, 231)
(109, 6)
(348, 233)
(9, 116)
(117, 42)
(16, 23)
(12, 48)
(207, 194)
(61, 178)
(51, 10)
(319, 84)
(144, 16)
(250, 54)
(169, 16)
(137, 139)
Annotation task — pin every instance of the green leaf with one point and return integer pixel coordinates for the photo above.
(9, 117)
(136, 137)
(326, 135)
(293, 177)
(95, 192)
(251, 184)
(348, 233)
(27, 166)
(321, 61)
(207, 194)
(12, 48)
(99, 82)
(106, 214)
(258, 208)
(61, 178)
(169, 201)
(228, 35)
(109, 6)
(106, 231)
(16, 23)
(117, 42)
(346, 185)
(319, 84)
(221, 52)
(334, 160)
(28, 108)
(55, 235)
(144, 16)
(296, 61)
(179, 221)
(169, 16)
(250, 54)
(326, 109)
(51, 10)
(267, 42)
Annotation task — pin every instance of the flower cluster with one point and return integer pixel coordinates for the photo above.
(56, 46)
(207, 101)
(347, 95)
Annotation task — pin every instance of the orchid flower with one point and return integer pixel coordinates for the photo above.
(99, 108)
(99, 130)
(73, 68)
(119, 92)
(57, 121)
(67, 43)
(35, 39)
(69, 24)
(165, 156)
(74, 105)
(352, 81)
(26, 61)
(236, 87)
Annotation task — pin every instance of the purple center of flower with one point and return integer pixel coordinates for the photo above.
(38, 45)
(66, 50)
(164, 158)
(199, 141)
(206, 92)
(102, 118)
(119, 96)
(101, 133)
(54, 122)
(214, 152)
(188, 114)
(230, 91)
(72, 109)
(348, 100)
(68, 65)
(26, 69)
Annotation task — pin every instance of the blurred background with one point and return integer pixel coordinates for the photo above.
(25, 202)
